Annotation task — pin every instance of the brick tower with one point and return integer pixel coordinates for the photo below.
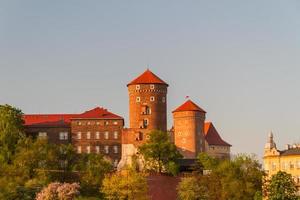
(189, 129)
(148, 102)
(147, 112)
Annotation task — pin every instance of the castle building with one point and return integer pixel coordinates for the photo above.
(94, 131)
(287, 160)
(100, 131)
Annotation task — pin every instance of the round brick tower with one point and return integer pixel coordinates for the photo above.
(189, 129)
(148, 102)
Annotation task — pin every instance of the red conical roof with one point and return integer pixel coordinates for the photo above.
(212, 136)
(189, 106)
(147, 77)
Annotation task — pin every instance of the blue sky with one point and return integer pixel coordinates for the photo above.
(239, 60)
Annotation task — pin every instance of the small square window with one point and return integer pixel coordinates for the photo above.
(88, 135)
(106, 135)
(137, 87)
(138, 99)
(79, 135)
(106, 149)
(63, 135)
(79, 123)
(97, 149)
(97, 123)
(115, 123)
(42, 134)
(106, 123)
(115, 149)
(88, 123)
(79, 149)
(116, 135)
(152, 87)
(152, 98)
(88, 149)
(97, 135)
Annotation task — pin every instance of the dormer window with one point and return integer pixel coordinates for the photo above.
(152, 87)
(137, 87)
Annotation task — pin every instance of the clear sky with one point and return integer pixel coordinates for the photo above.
(238, 60)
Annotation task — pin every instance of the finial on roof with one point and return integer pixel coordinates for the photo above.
(187, 97)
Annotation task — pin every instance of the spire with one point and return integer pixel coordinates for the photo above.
(270, 144)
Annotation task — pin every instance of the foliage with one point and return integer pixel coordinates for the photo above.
(59, 191)
(190, 189)
(92, 169)
(11, 131)
(126, 185)
(282, 187)
(159, 153)
(237, 179)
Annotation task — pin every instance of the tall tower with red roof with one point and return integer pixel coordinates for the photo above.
(189, 129)
(148, 102)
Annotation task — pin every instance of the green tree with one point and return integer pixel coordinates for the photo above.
(190, 189)
(11, 131)
(159, 153)
(282, 187)
(92, 169)
(126, 185)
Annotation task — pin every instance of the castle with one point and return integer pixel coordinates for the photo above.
(101, 131)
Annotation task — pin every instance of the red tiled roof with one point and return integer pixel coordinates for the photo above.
(65, 119)
(189, 106)
(147, 77)
(98, 113)
(212, 136)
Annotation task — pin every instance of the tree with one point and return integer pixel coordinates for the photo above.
(237, 179)
(126, 185)
(190, 189)
(11, 131)
(282, 187)
(159, 153)
(92, 168)
(59, 191)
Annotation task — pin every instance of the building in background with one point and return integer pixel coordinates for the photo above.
(94, 131)
(287, 160)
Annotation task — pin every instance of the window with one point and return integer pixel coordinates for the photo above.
(116, 163)
(273, 166)
(145, 123)
(88, 135)
(63, 135)
(79, 123)
(291, 165)
(115, 149)
(43, 135)
(146, 110)
(164, 99)
(106, 135)
(97, 135)
(79, 149)
(106, 123)
(138, 99)
(97, 149)
(137, 87)
(79, 135)
(152, 87)
(152, 98)
(88, 149)
(106, 149)
(298, 164)
(97, 123)
(116, 135)
(115, 123)
(88, 123)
